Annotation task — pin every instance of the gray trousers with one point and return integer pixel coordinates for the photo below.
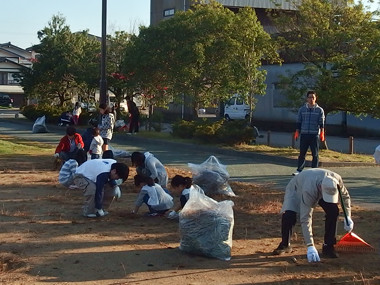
(88, 187)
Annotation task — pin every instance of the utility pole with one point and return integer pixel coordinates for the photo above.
(103, 80)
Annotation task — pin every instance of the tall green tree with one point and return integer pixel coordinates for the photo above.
(203, 53)
(339, 46)
(66, 65)
(117, 81)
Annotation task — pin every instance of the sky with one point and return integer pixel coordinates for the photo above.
(21, 20)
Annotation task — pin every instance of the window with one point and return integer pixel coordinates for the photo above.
(169, 12)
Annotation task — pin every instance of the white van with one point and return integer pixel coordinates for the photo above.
(236, 108)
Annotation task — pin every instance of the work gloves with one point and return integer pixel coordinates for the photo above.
(173, 215)
(312, 254)
(322, 136)
(296, 135)
(116, 192)
(348, 224)
(56, 155)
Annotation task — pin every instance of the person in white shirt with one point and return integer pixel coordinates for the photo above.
(96, 144)
(92, 177)
(76, 113)
(153, 195)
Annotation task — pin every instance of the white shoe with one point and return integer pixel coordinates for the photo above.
(296, 173)
(98, 213)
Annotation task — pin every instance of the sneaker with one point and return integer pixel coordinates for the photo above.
(296, 173)
(98, 213)
(281, 249)
(329, 251)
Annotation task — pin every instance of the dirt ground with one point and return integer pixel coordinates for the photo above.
(45, 240)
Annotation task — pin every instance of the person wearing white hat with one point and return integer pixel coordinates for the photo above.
(306, 190)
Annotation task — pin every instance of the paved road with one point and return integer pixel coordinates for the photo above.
(362, 182)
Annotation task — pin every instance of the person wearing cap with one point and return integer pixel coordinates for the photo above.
(93, 177)
(306, 190)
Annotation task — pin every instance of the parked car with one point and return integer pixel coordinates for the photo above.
(236, 108)
(89, 107)
(123, 103)
(5, 100)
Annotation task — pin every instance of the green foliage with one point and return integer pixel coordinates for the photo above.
(207, 53)
(220, 132)
(52, 113)
(339, 46)
(184, 129)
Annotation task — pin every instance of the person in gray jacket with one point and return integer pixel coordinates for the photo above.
(148, 165)
(302, 194)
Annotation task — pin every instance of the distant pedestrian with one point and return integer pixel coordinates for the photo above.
(134, 116)
(310, 128)
(76, 113)
(106, 124)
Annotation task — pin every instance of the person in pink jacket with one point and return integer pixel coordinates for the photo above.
(69, 144)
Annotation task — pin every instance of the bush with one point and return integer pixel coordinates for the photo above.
(184, 129)
(224, 132)
(51, 113)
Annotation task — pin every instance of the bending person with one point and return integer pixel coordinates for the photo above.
(302, 194)
(148, 165)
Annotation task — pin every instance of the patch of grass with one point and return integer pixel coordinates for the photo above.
(16, 146)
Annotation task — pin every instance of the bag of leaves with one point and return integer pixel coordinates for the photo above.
(212, 177)
(39, 125)
(206, 226)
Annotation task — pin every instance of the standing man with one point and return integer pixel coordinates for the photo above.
(310, 125)
(302, 194)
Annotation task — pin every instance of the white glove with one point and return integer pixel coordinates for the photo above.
(116, 192)
(173, 215)
(79, 146)
(312, 254)
(350, 226)
(56, 155)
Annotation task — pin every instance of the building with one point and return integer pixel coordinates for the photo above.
(12, 60)
(268, 112)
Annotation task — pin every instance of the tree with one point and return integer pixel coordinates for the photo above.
(118, 82)
(339, 46)
(65, 62)
(202, 53)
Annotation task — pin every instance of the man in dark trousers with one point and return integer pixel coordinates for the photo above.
(310, 128)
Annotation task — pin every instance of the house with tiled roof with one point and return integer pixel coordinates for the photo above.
(12, 60)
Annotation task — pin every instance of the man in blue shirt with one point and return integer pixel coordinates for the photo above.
(310, 127)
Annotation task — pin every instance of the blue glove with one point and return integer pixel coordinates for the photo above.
(312, 254)
(348, 226)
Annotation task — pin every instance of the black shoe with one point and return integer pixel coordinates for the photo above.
(329, 251)
(281, 249)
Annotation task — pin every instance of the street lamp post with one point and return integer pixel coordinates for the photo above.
(103, 80)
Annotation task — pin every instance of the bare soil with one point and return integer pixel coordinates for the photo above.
(45, 240)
